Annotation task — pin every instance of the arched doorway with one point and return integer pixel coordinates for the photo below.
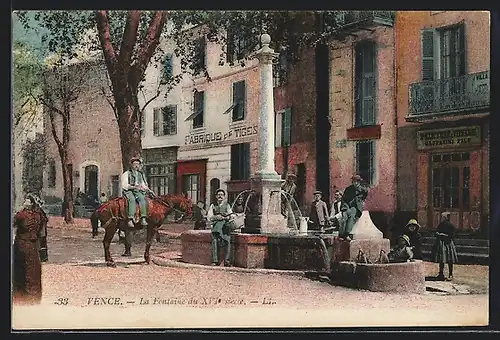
(91, 178)
(214, 185)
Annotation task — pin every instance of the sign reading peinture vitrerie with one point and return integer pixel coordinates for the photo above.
(220, 136)
(448, 138)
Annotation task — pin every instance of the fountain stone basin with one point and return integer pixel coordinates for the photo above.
(405, 277)
(274, 251)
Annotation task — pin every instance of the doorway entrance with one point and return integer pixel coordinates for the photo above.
(91, 188)
(450, 190)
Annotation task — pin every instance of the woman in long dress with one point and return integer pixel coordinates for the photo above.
(29, 223)
(444, 250)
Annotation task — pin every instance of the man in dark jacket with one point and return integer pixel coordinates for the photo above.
(353, 202)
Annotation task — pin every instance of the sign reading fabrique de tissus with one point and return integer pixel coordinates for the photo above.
(452, 137)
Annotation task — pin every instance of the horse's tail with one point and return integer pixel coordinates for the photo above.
(94, 221)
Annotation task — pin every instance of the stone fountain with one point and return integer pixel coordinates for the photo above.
(267, 240)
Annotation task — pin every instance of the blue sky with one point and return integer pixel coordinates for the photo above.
(31, 37)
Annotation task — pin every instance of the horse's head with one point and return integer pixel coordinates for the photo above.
(180, 203)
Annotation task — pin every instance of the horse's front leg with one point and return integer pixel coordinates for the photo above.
(149, 239)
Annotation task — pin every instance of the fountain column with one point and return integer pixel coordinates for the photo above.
(264, 216)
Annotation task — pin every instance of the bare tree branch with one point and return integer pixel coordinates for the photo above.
(158, 92)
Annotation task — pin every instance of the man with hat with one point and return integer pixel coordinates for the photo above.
(353, 202)
(135, 187)
(319, 212)
(219, 215)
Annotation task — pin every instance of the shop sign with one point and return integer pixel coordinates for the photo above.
(449, 138)
(233, 134)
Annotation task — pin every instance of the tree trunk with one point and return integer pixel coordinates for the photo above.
(130, 134)
(68, 195)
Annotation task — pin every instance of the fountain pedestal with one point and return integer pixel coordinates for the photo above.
(366, 237)
(264, 208)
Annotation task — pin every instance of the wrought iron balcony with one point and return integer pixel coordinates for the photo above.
(460, 94)
(353, 20)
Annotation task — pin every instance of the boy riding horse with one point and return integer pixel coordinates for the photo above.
(135, 187)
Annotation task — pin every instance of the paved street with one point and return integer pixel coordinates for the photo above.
(80, 291)
(77, 245)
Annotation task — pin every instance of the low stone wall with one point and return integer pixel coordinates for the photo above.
(197, 246)
(406, 277)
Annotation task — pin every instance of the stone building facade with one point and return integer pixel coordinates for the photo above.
(443, 106)
(94, 151)
(362, 110)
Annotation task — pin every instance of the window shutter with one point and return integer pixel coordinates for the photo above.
(428, 54)
(173, 119)
(358, 70)
(230, 47)
(167, 67)
(369, 86)
(203, 49)
(156, 122)
(277, 130)
(234, 162)
(246, 161)
(461, 50)
(239, 90)
(287, 127)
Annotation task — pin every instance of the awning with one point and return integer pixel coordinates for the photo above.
(230, 108)
(194, 115)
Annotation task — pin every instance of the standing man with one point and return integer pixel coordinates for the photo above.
(335, 211)
(319, 211)
(135, 187)
(219, 215)
(353, 203)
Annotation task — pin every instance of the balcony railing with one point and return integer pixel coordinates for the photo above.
(460, 94)
(355, 19)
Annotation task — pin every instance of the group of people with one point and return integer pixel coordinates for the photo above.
(443, 252)
(346, 209)
(30, 250)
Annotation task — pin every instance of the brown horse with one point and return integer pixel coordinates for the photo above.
(113, 217)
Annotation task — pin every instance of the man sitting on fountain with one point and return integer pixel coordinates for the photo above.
(353, 202)
(219, 215)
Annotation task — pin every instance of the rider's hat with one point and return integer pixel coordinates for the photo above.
(135, 159)
(292, 175)
(318, 192)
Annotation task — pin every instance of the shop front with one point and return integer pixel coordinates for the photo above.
(452, 176)
(191, 179)
(160, 165)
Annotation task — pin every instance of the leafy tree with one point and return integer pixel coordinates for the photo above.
(129, 40)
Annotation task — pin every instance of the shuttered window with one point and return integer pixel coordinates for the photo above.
(365, 83)
(452, 51)
(240, 161)
(239, 98)
(167, 68)
(283, 128)
(199, 107)
(199, 62)
(427, 55)
(365, 160)
(443, 52)
(165, 120)
(286, 135)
